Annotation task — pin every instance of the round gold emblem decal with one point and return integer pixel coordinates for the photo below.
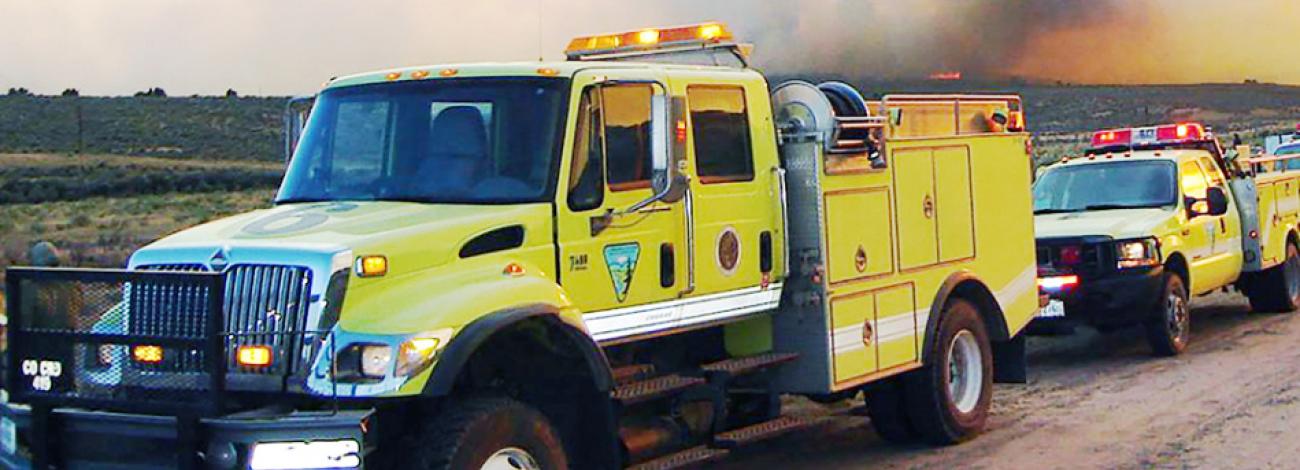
(728, 251)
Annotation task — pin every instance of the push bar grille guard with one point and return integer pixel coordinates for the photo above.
(150, 342)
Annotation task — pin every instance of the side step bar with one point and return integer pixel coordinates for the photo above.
(637, 384)
(658, 387)
(749, 364)
(729, 440)
(686, 458)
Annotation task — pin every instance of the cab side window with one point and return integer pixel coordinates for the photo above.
(1194, 184)
(586, 174)
(627, 135)
(720, 127)
(1212, 173)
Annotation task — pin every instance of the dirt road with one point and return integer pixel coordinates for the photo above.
(1101, 401)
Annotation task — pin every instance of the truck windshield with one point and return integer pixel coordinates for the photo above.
(1098, 186)
(459, 141)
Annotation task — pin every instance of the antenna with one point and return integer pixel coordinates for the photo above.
(539, 31)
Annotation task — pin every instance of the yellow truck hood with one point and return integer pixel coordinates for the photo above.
(413, 236)
(1118, 224)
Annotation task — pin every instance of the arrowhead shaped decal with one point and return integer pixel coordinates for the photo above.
(621, 261)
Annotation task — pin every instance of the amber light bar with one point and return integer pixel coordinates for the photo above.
(649, 39)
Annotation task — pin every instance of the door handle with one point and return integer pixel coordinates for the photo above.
(927, 206)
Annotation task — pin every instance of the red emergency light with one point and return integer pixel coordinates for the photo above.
(1171, 133)
(1112, 137)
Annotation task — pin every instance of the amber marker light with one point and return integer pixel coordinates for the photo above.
(649, 36)
(254, 356)
(547, 72)
(448, 72)
(147, 354)
(420, 74)
(371, 266)
(513, 270)
(393, 76)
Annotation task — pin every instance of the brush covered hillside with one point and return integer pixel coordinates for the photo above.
(223, 128)
(63, 177)
(98, 209)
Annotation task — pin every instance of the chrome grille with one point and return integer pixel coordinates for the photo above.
(265, 305)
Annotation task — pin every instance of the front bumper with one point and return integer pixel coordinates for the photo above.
(93, 439)
(1117, 299)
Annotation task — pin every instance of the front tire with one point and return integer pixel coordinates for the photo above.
(1169, 328)
(948, 400)
(490, 433)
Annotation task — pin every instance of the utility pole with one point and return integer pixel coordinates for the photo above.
(81, 142)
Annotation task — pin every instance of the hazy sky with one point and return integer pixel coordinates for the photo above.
(292, 46)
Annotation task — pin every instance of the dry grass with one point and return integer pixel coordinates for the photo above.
(102, 232)
(48, 160)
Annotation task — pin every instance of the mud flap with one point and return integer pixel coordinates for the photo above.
(1010, 362)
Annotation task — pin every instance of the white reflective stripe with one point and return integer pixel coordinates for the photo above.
(661, 316)
(848, 338)
(896, 327)
(1025, 283)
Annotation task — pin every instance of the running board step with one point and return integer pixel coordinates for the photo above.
(762, 431)
(628, 374)
(686, 458)
(749, 364)
(646, 390)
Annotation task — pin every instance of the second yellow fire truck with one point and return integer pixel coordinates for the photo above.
(624, 259)
(1150, 217)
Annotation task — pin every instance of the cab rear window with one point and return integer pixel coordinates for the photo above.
(720, 127)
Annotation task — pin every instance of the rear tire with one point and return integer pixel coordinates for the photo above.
(1168, 329)
(489, 433)
(888, 412)
(948, 400)
(1278, 289)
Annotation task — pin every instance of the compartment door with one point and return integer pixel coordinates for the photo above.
(954, 212)
(916, 207)
(853, 340)
(896, 326)
(859, 234)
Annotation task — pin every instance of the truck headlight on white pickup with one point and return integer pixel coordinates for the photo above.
(1137, 253)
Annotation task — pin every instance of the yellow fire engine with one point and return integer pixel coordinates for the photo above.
(623, 259)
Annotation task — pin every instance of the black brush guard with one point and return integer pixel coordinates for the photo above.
(88, 339)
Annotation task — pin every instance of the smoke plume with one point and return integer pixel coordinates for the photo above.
(291, 46)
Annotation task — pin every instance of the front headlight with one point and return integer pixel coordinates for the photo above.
(361, 362)
(375, 360)
(1137, 253)
(419, 352)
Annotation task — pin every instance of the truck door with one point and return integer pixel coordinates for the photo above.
(735, 204)
(1198, 232)
(1226, 251)
(621, 268)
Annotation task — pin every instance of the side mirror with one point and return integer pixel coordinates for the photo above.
(295, 119)
(1216, 203)
(660, 161)
(667, 181)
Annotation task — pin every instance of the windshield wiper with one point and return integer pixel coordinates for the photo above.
(302, 200)
(1056, 211)
(1103, 207)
